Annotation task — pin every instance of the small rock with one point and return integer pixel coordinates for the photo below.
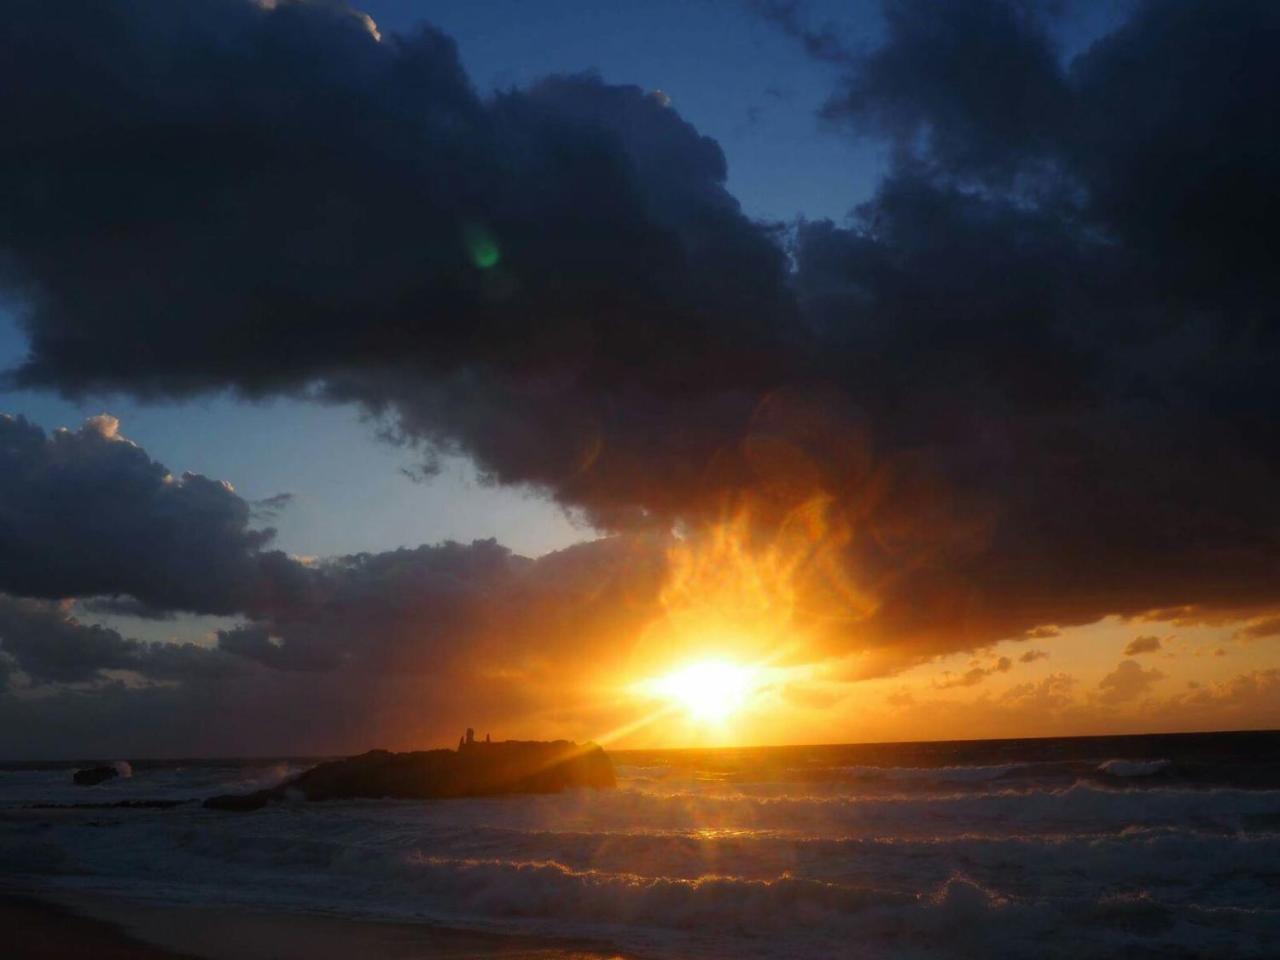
(93, 776)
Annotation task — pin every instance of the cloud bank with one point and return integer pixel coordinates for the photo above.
(88, 512)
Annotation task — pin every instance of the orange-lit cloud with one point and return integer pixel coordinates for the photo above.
(1143, 644)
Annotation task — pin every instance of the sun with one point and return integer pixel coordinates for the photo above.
(710, 691)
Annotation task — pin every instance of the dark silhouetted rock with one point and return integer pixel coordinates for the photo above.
(475, 770)
(241, 802)
(95, 775)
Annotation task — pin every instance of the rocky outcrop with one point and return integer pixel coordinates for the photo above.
(473, 770)
(94, 776)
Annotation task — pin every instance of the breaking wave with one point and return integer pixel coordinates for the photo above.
(973, 774)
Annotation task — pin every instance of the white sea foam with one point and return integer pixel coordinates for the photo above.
(21, 788)
(955, 774)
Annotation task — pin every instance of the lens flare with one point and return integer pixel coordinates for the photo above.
(481, 246)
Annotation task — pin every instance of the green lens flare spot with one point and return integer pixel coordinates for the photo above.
(481, 247)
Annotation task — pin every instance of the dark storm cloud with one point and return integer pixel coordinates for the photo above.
(978, 81)
(87, 512)
(216, 194)
(47, 643)
(390, 649)
(384, 648)
(1034, 375)
(1175, 136)
(454, 610)
(394, 644)
(122, 605)
(50, 646)
(820, 42)
(368, 608)
(1156, 140)
(1060, 305)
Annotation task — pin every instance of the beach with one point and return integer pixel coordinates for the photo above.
(60, 926)
(37, 929)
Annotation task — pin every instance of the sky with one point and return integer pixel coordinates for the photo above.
(433, 365)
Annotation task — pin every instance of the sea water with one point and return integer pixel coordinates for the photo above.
(1164, 846)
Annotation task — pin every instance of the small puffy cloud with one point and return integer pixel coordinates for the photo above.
(254, 642)
(1126, 682)
(902, 697)
(1248, 699)
(1260, 629)
(1041, 633)
(1145, 644)
(969, 678)
(271, 507)
(1053, 693)
(1031, 656)
(974, 675)
(104, 425)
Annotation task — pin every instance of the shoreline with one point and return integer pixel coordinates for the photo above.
(38, 928)
(49, 925)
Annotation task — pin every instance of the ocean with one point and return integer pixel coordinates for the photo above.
(1149, 846)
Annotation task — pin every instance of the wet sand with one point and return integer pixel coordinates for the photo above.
(41, 930)
(111, 928)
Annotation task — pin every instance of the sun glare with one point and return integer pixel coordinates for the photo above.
(746, 603)
(710, 690)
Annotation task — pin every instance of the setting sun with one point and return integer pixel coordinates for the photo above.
(710, 690)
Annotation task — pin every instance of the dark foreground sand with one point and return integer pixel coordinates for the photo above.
(109, 928)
